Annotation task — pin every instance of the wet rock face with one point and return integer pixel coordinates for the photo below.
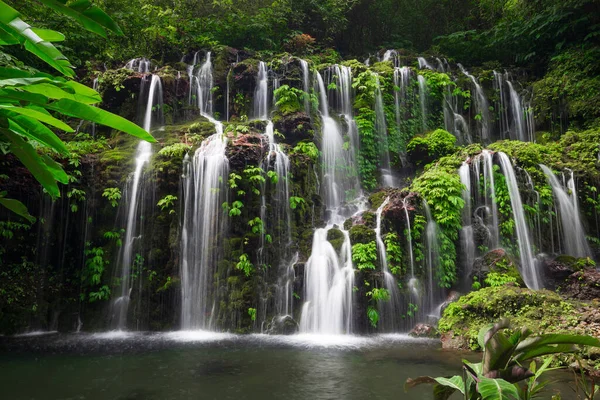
(424, 331)
(496, 260)
(296, 127)
(583, 285)
(452, 297)
(285, 325)
(556, 273)
(245, 150)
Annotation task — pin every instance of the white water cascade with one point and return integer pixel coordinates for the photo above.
(529, 270)
(329, 276)
(305, 84)
(467, 242)
(390, 309)
(135, 194)
(481, 106)
(261, 95)
(204, 190)
(573, 234)
(387, 178)
(423, 100)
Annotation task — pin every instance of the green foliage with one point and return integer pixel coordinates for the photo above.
(296, 202)
(91, 276)
(257, 226)
(378, 294)
(245, 265)
(508, 359)
(373, 316)
(441, 186)
(252, 313)
(28, 97)
(167, 203)
(394, 253)
(309, 149)
(498, 279)
(116, 236)
(430, 146)
(113, 195)
(289, 99)
(176, 150)
(364, 255)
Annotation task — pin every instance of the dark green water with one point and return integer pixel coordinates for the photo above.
(218, 366)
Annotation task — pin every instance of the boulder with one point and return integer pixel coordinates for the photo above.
(424, 331)
(582, 285)
(245, 150)
(556, 271)
(285, 325)
(495, 261)
(296, 127)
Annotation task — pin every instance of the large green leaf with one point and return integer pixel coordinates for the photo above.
(42, 117)
(16, 206)
(6, 38)
(17, 28)
(55, 169)
(49, 35)
(497, 389)
(557, 339)
(456, 383)
(35, 130)
(34, 163)
(544, 350)
(498, 348)
(100, 116)
(60, 90)
(15, 94)
(89, 16)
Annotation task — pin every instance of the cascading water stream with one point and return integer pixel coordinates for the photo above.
(423, 63)
(489, 188)
(528, 263)
(135, 193)
(204, 190)
(387, 177)
(390, 309)
(518, 124)
(204, 86)
(467, 242)
(574, 241)
(481, 106)
(433, 254)
(329, 276)
(305, 84)
(261, 95)
(423, 101)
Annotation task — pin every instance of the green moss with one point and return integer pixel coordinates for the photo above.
(361, 234)
(542, 311)
(377, 199)
(336, 238)
(428, 147)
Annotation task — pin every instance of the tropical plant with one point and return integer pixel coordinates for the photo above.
(31, 101)
(508, 360)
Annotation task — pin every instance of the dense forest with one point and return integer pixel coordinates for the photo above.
(324, 167)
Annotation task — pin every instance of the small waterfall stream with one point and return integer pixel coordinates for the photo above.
(575, 243)
(135, 194)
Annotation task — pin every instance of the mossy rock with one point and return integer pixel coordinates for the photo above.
(361, 234)
(377, 199)
(496, 261)
(336, 238)
(542, 311)
(423, 149)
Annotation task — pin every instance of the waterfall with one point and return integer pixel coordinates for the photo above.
(261, 95)
(402, 82)
(502, 105)
(489, 194)
(141, 65)
(481, 106)
(423, 63)
(387, 178)
(573, 235)
(413, 283)
(135, 192)
(467, 241)
(204, 86)
(204, 190)
(390, 309)
(528, 265)
(518, 125)
(423, 100)
(329, 276)
(305, 85)
(391, 55)
(433, 253)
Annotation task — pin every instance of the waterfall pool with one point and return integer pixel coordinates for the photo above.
(208, 365)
